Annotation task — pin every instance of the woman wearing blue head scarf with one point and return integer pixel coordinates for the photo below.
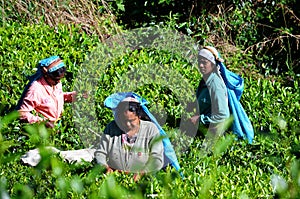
(43, 97)
(131, 142)
(214, 84)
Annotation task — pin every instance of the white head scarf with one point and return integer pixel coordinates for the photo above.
(207, 55)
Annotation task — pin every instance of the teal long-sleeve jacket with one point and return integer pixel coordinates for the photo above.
(212, 99)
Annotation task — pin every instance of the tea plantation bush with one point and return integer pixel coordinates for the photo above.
(268, 168)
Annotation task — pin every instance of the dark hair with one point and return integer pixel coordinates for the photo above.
(134, 107)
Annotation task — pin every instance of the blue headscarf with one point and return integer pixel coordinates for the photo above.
(48, 61)
(39, 73)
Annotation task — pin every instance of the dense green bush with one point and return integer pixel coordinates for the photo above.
(268, 29)
(233, 164)
(23, 46)
(268, 168)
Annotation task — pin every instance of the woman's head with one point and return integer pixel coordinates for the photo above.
(207, 54)
(208, 58)
(127, 115)
(53, 69)
(206, 61)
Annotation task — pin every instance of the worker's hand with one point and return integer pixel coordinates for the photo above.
(49, 124)
(195, 119)
(137, 176)
(85, 94)
(109, 170)
(74, 96)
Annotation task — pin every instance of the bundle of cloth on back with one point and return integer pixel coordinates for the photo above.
(241, 126)
(112, 102)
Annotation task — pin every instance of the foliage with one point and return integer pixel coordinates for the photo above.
(155, 70)
(23, 46)
(161, 95)
(93, 17)
(268, 168)
(268, 29)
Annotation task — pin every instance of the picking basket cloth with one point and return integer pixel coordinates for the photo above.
(112, 102)
(241, 126)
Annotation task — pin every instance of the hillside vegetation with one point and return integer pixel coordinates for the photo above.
(258, 40)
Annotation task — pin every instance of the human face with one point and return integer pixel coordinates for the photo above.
(54, 77)
(205, 66)
(129, 121)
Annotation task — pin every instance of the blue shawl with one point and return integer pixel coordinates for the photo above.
(241, 126)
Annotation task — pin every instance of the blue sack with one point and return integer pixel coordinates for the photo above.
(241, 126)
